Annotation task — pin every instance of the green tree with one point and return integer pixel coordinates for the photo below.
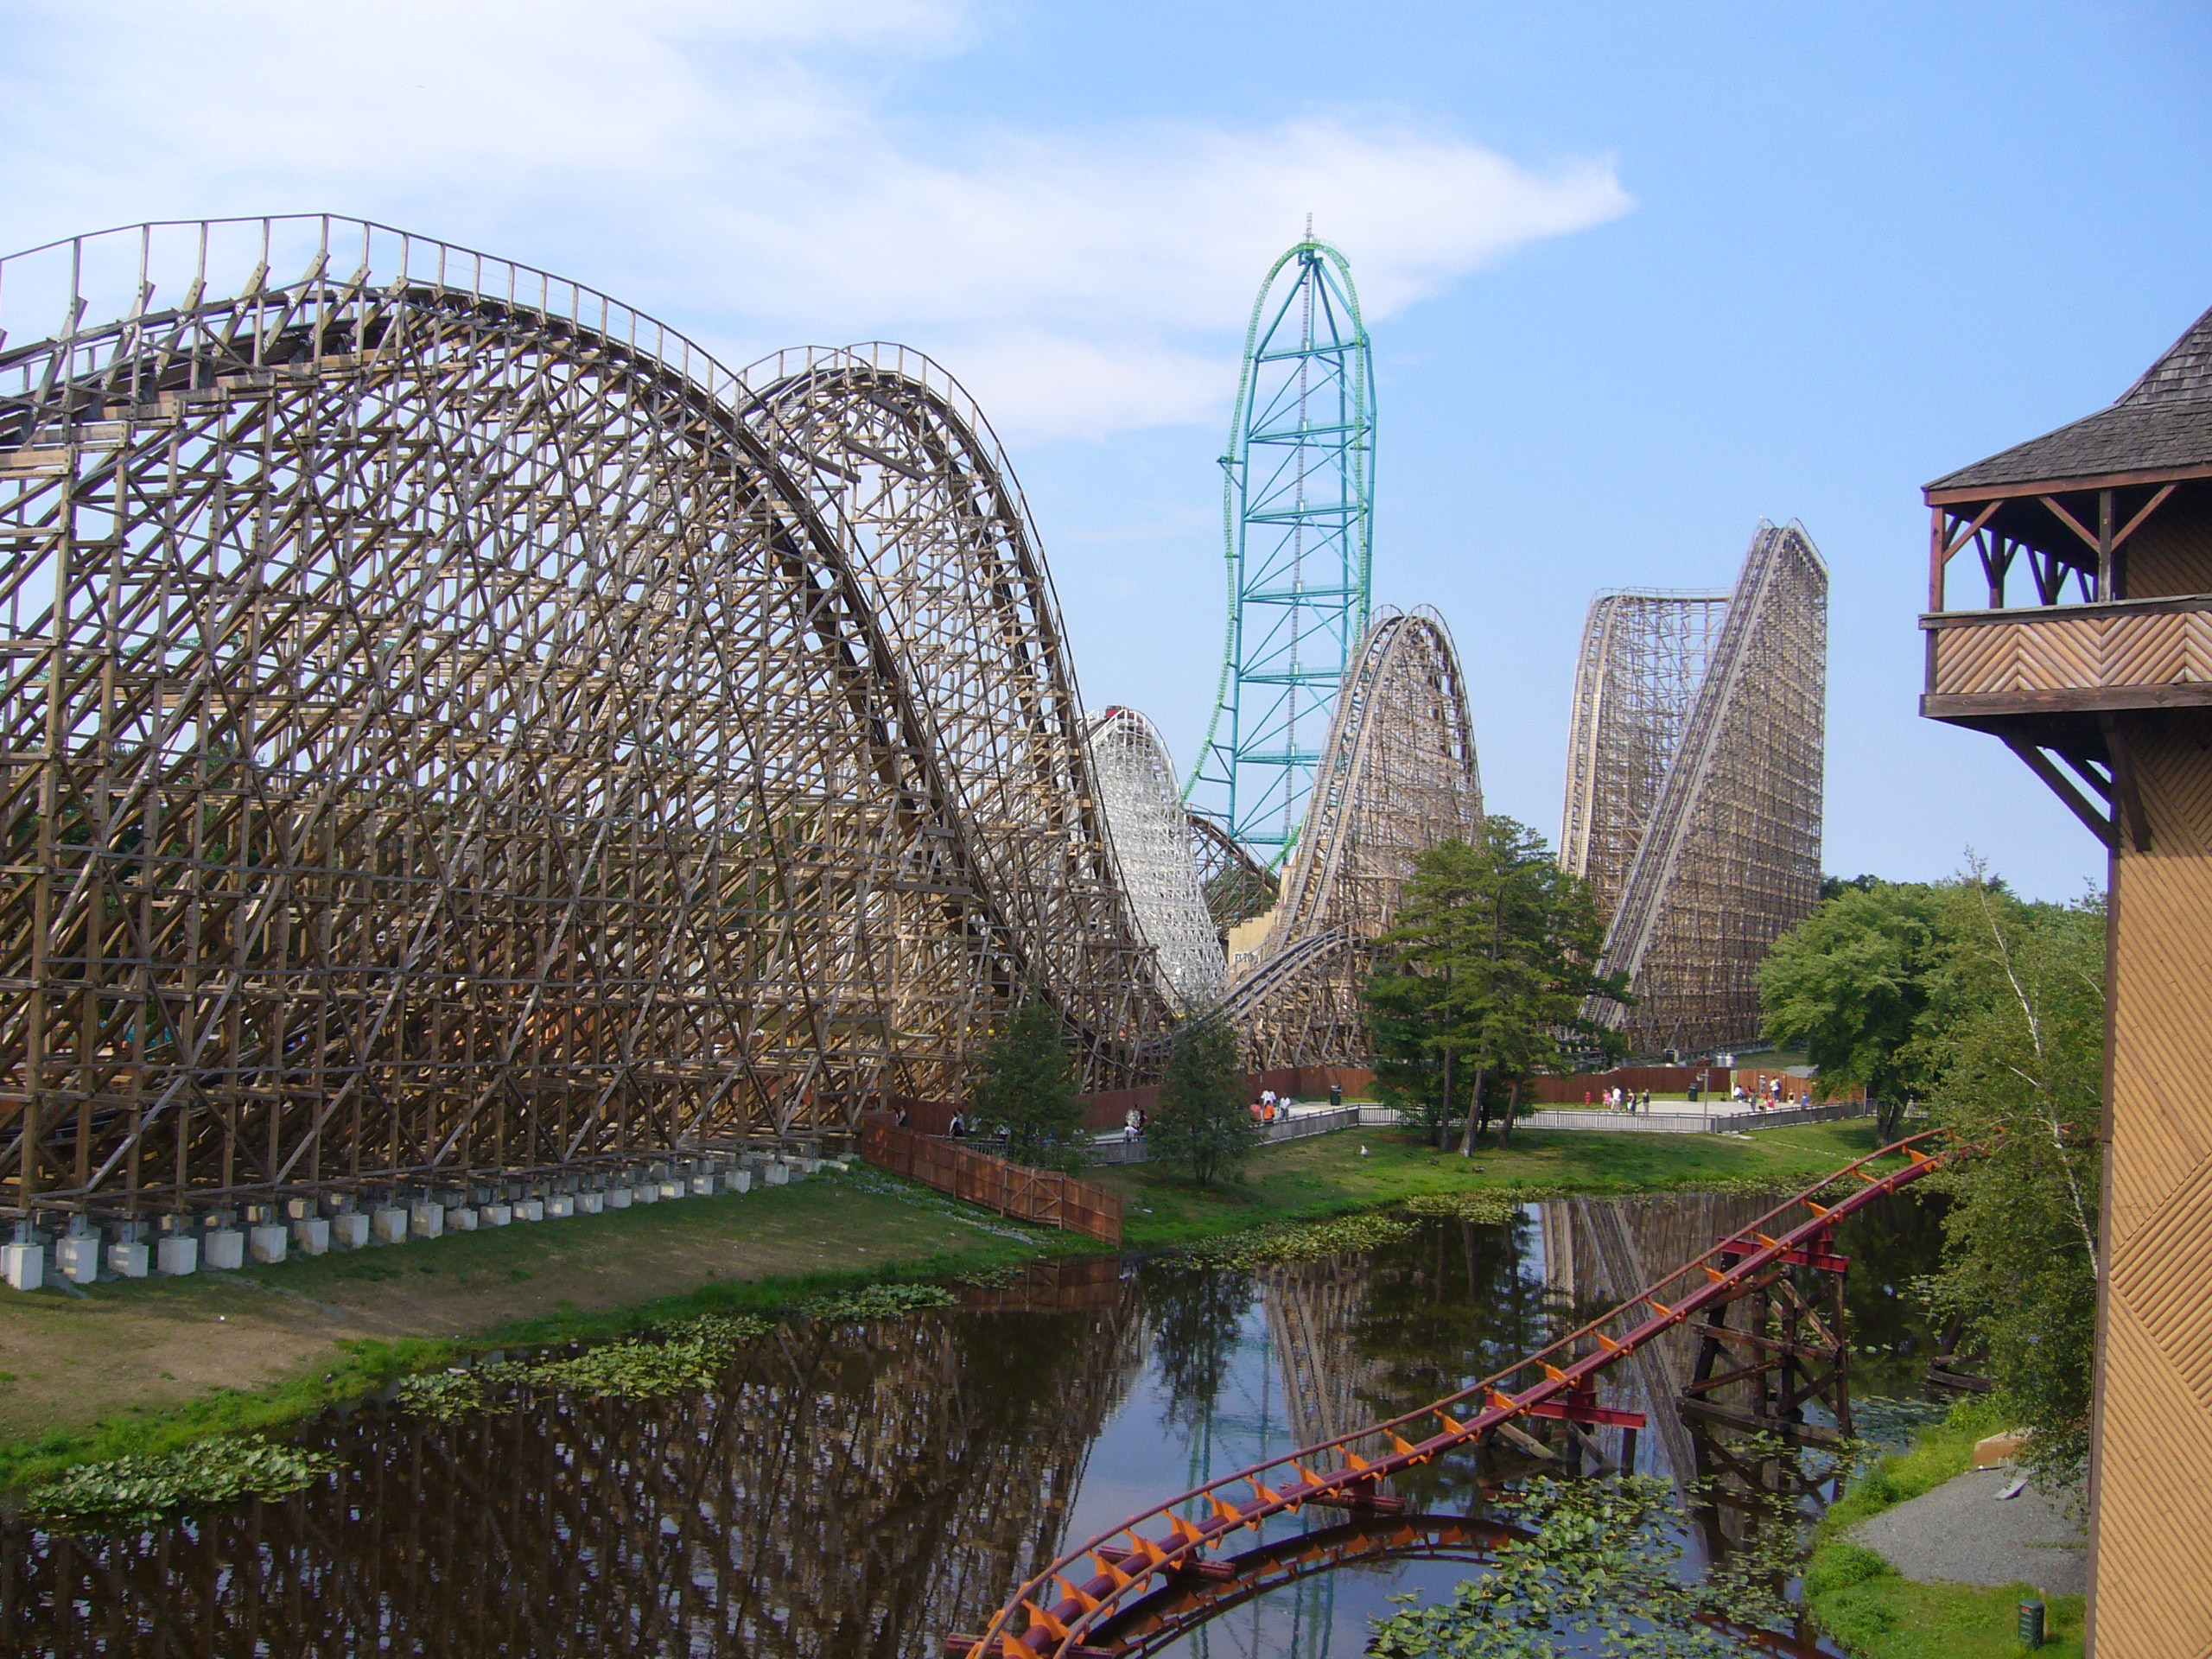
(1850, 982)
(1026, 1086)
(1204, 1121)
(1992, 1010)
(2014, 1031)
(1485, 976)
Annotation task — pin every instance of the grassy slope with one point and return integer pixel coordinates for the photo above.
(1877, 1613)
(108, 1390)
(544, 1283)
(1298, 1181)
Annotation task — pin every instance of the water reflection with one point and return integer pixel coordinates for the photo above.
(863, 1490)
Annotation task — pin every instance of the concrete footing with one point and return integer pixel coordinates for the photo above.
(223, 1249)
(426, 1220)
(461, 1219)
(177, 1255)
(619, 1197)
(23, 1266)
(777, 1174)
(267, 1243)
(560, 1207)
(350, 1231)
(127, 1260)
(312, 1235)
(77, 1259)
(388, 1226)
(590, 1204)
(645, 1194)
(495, 1215)
(531, 1210)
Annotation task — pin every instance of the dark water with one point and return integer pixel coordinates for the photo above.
(863, 1489)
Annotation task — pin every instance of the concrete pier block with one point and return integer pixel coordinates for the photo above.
(703, 1186)
(312, 1235)
(531, 1210)
(646, 1194)
(267, 1243)
(426, 1220)
(177, 1255)
(388, 1226)
(127, 1260)
(77, 1259)
(560, 1207)
(590, 1204)
(809, 1166)
(674, 1190)
(461, 1218)
(740, 1181)
(778, 1174)
(223, 1249)
(496, 1215)
(619, 1198)
(350, 1231)
(23, 1265)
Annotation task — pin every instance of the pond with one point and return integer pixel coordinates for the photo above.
(862, 1487)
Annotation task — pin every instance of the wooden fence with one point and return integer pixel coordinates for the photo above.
(1015, 1190)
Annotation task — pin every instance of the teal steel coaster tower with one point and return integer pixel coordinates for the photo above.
(1298, 513)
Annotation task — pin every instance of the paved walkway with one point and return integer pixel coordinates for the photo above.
(1963, 1533)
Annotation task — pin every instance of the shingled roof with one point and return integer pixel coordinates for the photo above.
(2163, 423)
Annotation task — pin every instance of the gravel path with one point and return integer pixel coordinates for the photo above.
(1963, 1533)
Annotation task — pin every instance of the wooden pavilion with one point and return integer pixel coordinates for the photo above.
(2090, 656)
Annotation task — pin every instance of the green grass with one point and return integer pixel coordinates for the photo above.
(1875, 1612)
(1325, 1175)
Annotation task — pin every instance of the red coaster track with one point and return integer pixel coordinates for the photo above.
(1126, 1565)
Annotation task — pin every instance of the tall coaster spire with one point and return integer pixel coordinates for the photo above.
(1298, 517)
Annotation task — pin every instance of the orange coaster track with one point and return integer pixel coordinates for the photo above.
(1077, 1611)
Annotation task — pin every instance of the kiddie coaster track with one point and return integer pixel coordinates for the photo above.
(1151, 1578)
(452, 729)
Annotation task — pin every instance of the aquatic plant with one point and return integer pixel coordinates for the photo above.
(135, 1490)
(1310, 1241)
(689, 1354)
(878, 1302)
(1595, 1559)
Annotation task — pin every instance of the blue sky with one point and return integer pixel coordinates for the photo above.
(1638, 275)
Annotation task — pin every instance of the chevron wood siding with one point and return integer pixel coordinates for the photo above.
(2172, 554)
(2153, 1476)
(2072, 653)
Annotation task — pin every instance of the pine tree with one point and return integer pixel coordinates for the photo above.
(1027, 1087)
(1485, 977)
(1204, 1121)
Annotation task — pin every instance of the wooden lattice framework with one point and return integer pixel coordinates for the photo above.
(453, 726)
(1397, 777)
(1698, 746)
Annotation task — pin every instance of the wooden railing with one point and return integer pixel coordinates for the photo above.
(2126, 654)
(1039, 1195)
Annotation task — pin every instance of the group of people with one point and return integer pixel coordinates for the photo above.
(1270, 1103)
(1769, 1096)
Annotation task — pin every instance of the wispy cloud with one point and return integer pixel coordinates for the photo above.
(725, 164)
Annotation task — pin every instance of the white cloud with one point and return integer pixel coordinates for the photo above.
(722, 163)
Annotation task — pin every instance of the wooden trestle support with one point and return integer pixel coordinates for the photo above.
(1108, 1598)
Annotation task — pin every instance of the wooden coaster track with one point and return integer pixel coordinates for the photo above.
(1071, 1610)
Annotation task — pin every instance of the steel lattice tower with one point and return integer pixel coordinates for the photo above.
(1297, 515)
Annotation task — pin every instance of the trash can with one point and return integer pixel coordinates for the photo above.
(2031, 1630)
(1335, 1094)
